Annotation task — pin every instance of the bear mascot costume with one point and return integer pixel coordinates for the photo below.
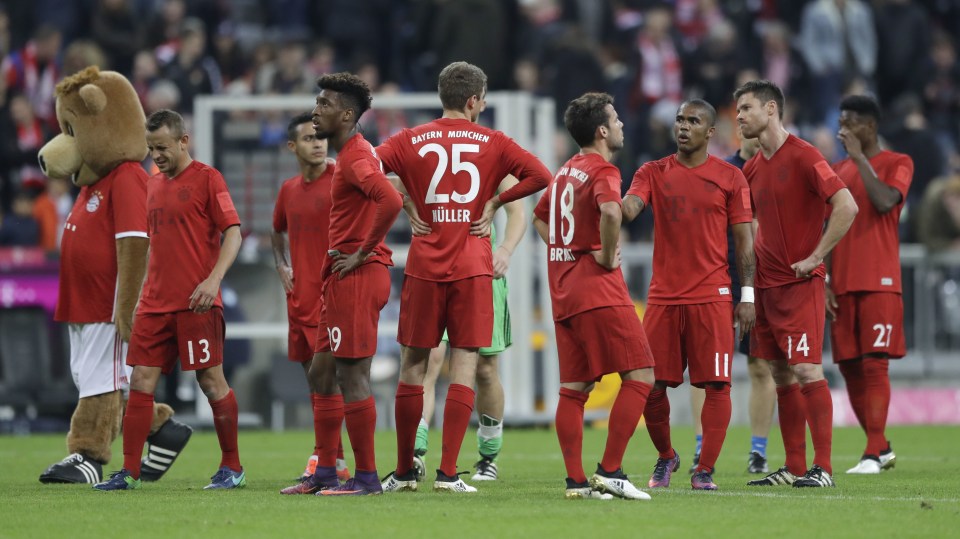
(102, 264)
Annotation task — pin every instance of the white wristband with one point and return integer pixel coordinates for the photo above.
(746, 294)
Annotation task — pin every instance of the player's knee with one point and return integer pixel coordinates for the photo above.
(487, 373)
(807, 373)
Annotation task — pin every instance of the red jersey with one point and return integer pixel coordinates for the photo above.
(303, 212)
(571, 208)
(358, 185)
(867, 259)
(451, 168)
(186, 216)
(789, 193)
(115, 207)
(692, 208)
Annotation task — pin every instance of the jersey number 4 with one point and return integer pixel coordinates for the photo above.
(565, 217)
(802, 346)
(456, 165)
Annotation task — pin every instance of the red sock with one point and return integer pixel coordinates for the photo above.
(853, 375)
(225, 422)
(820, 418)
(361, 419)
(624, 417)
(136, 428)
(715, 417)
(657, 416)
(456, 417)
(570, 431)
(327, 422)
(877, 403)
(407, 411)
(793, 430)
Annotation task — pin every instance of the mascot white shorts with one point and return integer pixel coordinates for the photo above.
(98, 359)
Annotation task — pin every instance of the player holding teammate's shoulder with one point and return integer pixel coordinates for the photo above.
(181, 314)
(792, 186)
(598, 331)
(864, 297)
(451, 169)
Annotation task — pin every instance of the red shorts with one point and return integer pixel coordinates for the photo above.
(464, 308)
(699, 335)
(601, 341)
(868, 323)
(790, 321)
(301, 340)
(350, 312)
(159, 339)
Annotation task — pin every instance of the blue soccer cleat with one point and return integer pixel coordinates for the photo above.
(121, 480)
(227, 478)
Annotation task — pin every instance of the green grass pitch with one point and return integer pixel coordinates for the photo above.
(920, 498)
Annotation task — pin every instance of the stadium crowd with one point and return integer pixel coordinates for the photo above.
(649, 54)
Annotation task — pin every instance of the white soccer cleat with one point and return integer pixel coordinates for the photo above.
(617, 484)
(486, 471)
(888, 460)
(392, 483)
(586, 493)
(867, 466)
(447, 483)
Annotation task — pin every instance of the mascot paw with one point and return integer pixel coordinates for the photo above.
(163, 447)
(75, 468)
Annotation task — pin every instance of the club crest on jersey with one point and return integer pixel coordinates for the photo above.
(93, 204)
(183, 194)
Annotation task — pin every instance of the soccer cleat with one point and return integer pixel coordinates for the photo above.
(310, 468)
(617, 484)
(486, 470)
(325, 479)
(815, 477)
(226, 478)
(757, 463)
(399, 483)
(343, 472)
(868, 465)
(779, 477)
(419, 468)
(163, 447)
(583, 491)
(74, 468)
(662, 471)
(451, 483)
(694, 464)
(362, 484)
(888, 459)
(121, 480)
(702, 481)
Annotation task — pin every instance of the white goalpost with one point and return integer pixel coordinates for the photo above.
(527, 119)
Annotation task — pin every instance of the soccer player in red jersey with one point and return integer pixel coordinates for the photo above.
(181, 314)
(356, 279)
(597, 330)
(450, 168)
(791, 186)
(302, 213)
(864, 301)
(694, 197)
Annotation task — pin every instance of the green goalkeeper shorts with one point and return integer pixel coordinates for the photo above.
(502, 338)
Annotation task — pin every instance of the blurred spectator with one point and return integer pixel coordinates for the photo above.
(658, 78)
(163, 94)
(22, 137)
(228, 54)
(5, 37)
(145, 73)
(80, 54)
(780, 62)
(941, 94)
(940, 215)
(285, 74)
(117, 30)
(695, 19)
(163, 30)
(839, 43)
(19, 228)
(713, 67)
(192, 70)
(904, 30)
(569, 67)
(33, 71)
(47, 218)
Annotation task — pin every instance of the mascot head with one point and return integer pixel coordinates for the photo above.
(101, 124)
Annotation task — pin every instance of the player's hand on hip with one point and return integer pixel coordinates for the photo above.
(804, 269)
(286, 277)
(831, 303)
(418, 225)
(204, 295)
(344, 263)
(501, 262)
(481, 227)
(611, 264)
(745, 317)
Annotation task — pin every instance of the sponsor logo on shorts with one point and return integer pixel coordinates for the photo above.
(886, 281)
(724, 291)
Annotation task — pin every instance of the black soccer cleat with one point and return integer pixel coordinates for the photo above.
(75, 468)
(163, 447)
